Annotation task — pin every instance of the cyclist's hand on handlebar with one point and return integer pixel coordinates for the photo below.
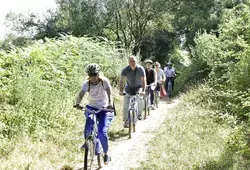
(143, 93)
(77, 106)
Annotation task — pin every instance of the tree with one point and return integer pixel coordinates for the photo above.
(33, 25)
(83, 17)
(12, 40)
(130, 20)
(158, 45)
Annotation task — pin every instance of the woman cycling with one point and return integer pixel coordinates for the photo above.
(99, 90)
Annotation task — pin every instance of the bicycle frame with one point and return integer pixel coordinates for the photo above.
(156, 95)
(147, 100)
(170, 86)
(91, 140)
(132, 110)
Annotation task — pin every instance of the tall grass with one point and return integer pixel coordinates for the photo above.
(38, 85)
(193, 138)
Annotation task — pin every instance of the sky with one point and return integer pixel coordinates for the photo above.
(22, 6)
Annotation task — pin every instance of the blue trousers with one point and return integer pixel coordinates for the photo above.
(105, 118)
(151, 92)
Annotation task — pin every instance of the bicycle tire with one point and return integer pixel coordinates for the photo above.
(145, 107)
(89, 154)
(99, 160)
(169, 89)
(133, 115)
(148, 111)
(91, 148)
(148, 108)
(129, 125)
(156, 99)
(86, 158)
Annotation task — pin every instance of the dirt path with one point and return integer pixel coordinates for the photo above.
(127, 153)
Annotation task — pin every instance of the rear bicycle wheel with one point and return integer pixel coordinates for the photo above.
(99, 160)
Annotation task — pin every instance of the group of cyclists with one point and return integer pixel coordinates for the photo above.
(135, 78)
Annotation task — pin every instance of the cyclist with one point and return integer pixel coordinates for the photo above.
(151, 77)
(161, 78)
(170, 74)
(135, 78)
(99, 90)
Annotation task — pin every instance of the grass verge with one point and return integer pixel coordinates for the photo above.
(192, 138)
(55, 150)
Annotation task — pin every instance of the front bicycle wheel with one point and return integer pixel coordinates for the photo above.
(129, 124)
(169, 90)
(145, 107)
(89, 154)
(156, 98)
(148, 105)
(86, 158)
(133, 119)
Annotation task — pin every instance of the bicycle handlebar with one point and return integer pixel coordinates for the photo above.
(93, 111)
(97, 111)
(152, 84)
(124, 94)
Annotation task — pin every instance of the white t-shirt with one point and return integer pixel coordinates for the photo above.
(160, 75)
(98, 96)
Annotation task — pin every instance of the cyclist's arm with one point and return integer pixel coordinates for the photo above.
(121, 83)
(79, 97)
(108, 90)
(155, 77)
(144, 83)
(83, 91)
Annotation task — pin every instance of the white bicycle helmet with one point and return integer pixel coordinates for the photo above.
(93, 69)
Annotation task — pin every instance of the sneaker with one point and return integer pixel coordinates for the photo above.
(107, 159)
(152, 107)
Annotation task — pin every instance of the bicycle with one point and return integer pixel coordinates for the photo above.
(170, 88)
(147, 103)
(157, 95)
(92, 143)
(132, 110)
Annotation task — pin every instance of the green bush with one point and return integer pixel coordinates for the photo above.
(228, 58)
(39, 83)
